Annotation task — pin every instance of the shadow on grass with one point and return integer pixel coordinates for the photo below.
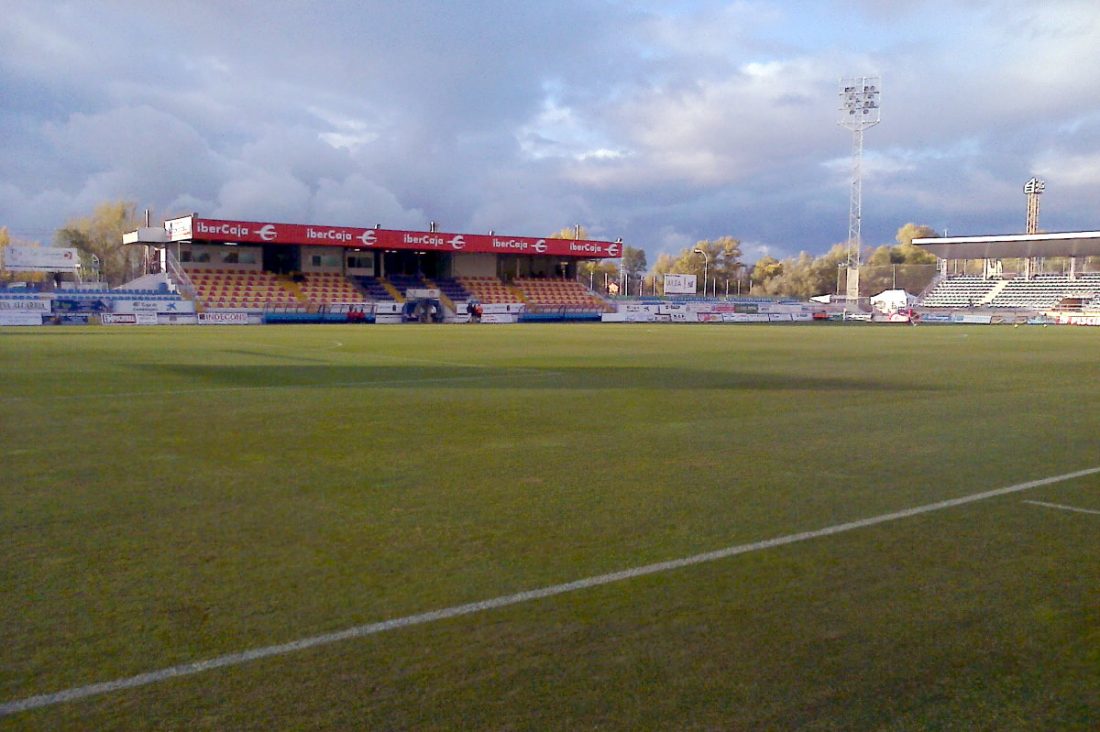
(580, 377)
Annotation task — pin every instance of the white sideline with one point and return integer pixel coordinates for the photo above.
(359, 631)
(1064, 508)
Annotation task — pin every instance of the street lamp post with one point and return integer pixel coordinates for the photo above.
(706, 262)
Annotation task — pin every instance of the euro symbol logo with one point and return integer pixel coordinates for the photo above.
(612, 250)
(367, 238)
(267, 232)
(457, 242)
(540, 246)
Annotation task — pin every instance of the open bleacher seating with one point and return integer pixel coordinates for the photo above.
(1041, 292)
(1045, 291)
(959, 292)
(241, 289)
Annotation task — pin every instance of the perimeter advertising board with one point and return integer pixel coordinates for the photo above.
(223, 318)
(254, 232)
(1074, 319)
(24, 305)
(23, 311)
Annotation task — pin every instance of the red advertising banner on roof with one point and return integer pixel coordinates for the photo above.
(254, 232)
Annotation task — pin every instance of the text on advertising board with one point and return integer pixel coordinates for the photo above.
(353, 237)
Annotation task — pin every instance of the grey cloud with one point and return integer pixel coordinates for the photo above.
(656, 123)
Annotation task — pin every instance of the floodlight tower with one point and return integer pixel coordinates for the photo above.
(859, 111)
(1033, 188)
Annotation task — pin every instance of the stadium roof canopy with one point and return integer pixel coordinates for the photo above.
(1065, 244)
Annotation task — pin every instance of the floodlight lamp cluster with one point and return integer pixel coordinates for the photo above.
(1034, 186)
(857, 101)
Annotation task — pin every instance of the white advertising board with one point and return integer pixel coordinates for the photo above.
(971, 319)
(503, 308)
(41, 259)
(185, 319)
(17, 317)
(745, 317)
(178, 229)
(24, 305)
(498, 318)
(680, 284)
(162, 307)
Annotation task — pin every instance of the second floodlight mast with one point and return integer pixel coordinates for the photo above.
(1033, 189)
(859, 111)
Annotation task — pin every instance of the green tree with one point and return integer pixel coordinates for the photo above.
(5, 240)
(803, 276)
(902, 266)
(766, 269)
(634, 262)
(99, 238)
(913, 254)
(575, 233)
(598, 273)
(723, 261)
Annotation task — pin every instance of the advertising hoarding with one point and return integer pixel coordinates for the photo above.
(680, 284)
(41, 259)
(254, 232)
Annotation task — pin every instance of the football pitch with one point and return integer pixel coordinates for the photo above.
(550, 527)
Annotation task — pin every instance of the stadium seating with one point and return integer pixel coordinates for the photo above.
(959, 292)
(451, 288)
(325, 288)
(374, 288)
(241, 289)
(557, 293)
(402, 283)
(1041, 292)
(490, 290)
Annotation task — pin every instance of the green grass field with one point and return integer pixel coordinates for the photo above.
(172, 495)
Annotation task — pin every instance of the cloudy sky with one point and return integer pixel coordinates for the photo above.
(659, 122)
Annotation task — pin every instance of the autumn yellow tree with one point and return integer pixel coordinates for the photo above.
(98, 237)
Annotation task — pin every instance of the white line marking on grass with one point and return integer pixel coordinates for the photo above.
(1064, 508)
(360, 631)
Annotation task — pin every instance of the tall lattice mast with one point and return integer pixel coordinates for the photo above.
(1033, 188)
(859, 111)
